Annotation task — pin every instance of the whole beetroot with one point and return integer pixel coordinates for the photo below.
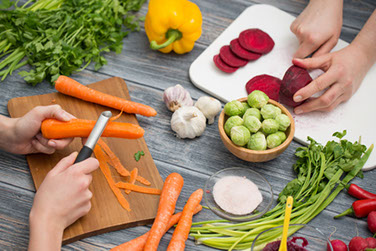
(371, 220)
(358, 244)
(294, 79)
(371, 242)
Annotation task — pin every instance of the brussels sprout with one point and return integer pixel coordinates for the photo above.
(246, 106)
(283, 121)
(281, 135)
(231, 122)
(252, 123)
(269, 126)
(257, 142)
(252, 112)
(257, 99)
(270, 111)
(273, 140)
(234, 108)
(240, 135)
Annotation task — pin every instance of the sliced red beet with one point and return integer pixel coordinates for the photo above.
(294, 79)
(223, 66)
(238, 50)
(230, 58)
(256, 40)
(268, 84)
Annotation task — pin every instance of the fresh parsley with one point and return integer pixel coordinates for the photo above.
(138, 155)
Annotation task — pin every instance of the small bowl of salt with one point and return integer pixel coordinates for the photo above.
(238, 194)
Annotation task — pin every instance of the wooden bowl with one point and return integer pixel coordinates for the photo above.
(252, 155)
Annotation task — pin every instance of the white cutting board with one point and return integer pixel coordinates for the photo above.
(357, 116)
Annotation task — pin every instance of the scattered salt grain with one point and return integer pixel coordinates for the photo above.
(236, 195)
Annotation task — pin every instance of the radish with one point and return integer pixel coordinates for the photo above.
(238, 50)
(371, 242)
(223, 66)
(256, 40)
(337, 245)
(371, 220)
(230, 58)
(358, 244)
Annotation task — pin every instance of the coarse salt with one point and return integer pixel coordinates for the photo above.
(237, 195)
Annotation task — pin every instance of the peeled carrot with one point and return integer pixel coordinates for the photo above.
(181, 231)
(73, 88)
(115, 162)
(99, 154)
(170, 193)
(132, 179)
(55, 129)
(139, 189)
(138, 243)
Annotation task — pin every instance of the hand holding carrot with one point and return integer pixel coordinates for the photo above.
(61, 199)
(23, 136)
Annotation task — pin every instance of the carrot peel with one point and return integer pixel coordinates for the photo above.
(139, 189)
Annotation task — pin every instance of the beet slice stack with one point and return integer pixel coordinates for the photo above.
(230, 58)
(238, 50)
(256, 40)
(223, 66)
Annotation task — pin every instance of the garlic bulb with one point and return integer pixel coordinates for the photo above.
(188, 122)
(209, 106)
(176, 97)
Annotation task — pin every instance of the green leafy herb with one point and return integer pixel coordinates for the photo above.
(319, 170)
(58, 37)
(138, 155)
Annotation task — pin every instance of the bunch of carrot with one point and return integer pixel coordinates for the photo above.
(165, 219)
(106, 157)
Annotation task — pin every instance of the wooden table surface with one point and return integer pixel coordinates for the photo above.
(147, 74)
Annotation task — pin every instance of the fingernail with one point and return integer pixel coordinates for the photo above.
(298, 111)
(52, 143)
(297, 98)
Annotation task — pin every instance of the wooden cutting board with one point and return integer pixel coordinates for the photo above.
(106, 213)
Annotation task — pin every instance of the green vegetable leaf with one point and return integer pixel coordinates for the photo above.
(138, 155)
(5, 4)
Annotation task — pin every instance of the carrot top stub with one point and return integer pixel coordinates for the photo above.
(73, 88)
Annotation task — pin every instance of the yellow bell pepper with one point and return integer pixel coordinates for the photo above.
(173, 25)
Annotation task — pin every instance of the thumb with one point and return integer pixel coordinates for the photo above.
(64, 163)
(52, 111)
(320, 62)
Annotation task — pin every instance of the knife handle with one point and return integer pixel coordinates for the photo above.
(83, 154)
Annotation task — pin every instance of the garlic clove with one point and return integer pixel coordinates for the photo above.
(176, 97)
(209, 106)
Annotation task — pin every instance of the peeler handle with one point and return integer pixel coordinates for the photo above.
(83, 154)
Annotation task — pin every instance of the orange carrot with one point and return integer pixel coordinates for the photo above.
(99, 154)
(132, 179)
(138, 243)
(181, 231)
(72, 88)
(56, 129)
(170, 193)
(115, 162)
(139, 189)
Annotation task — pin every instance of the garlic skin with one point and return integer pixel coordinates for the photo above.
(209, 106)
(176, 97)
(188, 122)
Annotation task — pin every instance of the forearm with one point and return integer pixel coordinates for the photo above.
(45, 235)
(6, 131)
(365, 40)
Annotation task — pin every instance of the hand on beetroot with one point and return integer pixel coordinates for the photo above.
(23, 135)
(61, 199)
(318, 27)
(344, 72)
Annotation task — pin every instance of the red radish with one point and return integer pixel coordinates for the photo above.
(371, 242)
(268, 84)
(223, 66)
(230, 58)
(358, 244)
(294, 79)
(238, 50)
(371, 220)
(256, 40)
(337, 245)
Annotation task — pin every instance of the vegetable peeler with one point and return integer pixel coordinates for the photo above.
(91, 141)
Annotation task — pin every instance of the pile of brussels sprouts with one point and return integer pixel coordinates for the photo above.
(255, 124)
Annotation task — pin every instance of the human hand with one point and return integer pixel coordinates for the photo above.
(344, 72)
(25, 136)
(318, 27)
(62, 198)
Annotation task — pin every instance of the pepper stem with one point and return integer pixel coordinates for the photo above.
(171, 35)
(346, 212)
